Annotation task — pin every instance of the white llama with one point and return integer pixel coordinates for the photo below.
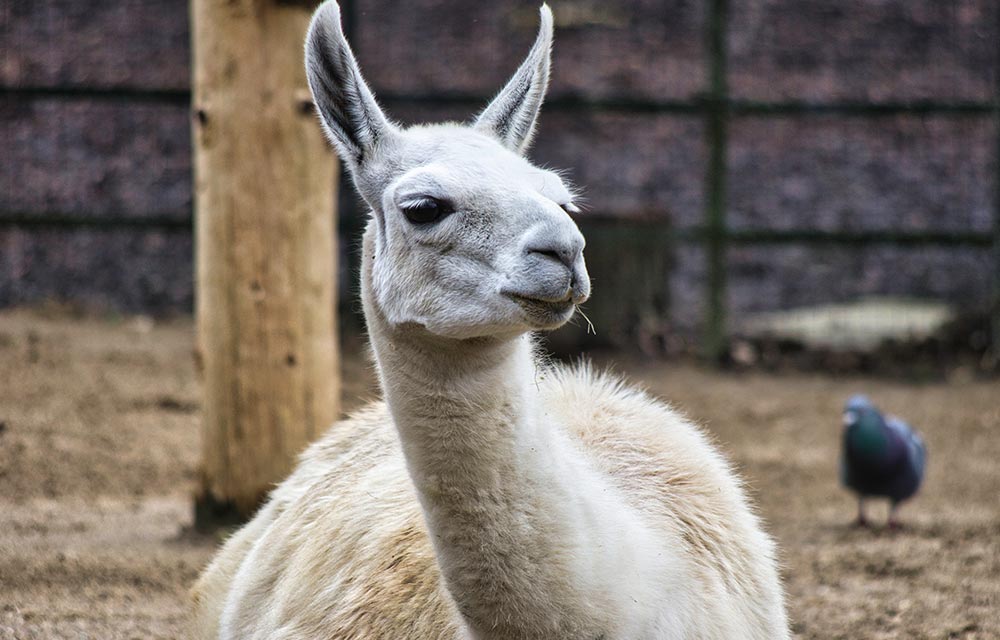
(489, 496)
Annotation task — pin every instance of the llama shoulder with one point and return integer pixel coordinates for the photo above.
(644, 443)
(669, 469)
(613, 418)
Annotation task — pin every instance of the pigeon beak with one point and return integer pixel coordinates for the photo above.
(849, 418)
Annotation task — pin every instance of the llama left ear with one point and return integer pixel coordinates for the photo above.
(511, 116)
(354, 121)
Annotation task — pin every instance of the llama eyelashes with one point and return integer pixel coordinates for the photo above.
(426, 210)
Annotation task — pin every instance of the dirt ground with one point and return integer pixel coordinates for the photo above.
(99, 445)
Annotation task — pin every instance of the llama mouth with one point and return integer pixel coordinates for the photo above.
(551, 311)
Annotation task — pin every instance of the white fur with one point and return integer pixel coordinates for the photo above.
(489, 497)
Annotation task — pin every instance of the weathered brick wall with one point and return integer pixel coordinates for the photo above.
(96, 172)
(877, 50)
(94, 129)
(862, 172)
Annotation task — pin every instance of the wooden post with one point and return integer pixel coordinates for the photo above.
(265, 180)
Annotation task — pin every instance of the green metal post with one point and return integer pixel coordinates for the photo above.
(717, 123)
(995, 310)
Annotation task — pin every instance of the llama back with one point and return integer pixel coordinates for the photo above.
(341, 549)
(667, 468)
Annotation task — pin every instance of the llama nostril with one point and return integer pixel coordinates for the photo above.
(564, 256)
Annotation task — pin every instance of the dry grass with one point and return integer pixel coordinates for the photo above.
(99, 444)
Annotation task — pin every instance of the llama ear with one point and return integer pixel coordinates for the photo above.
(353, 120)
(511, 116)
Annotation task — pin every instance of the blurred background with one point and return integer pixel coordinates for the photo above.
(762, 156)
(787, 202)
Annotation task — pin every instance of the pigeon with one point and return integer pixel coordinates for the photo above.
(882, 456)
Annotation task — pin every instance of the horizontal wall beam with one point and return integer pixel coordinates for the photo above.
(104, 221)
(862, 238)
(114, 94)
(811, 237)
(113, 222)
(695, 105)
(916, 107)
(703, 104)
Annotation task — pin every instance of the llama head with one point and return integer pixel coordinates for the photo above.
(467, 237)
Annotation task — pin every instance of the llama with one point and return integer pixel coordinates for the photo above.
(488, 496)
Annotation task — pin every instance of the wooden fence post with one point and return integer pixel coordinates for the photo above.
(265, 181)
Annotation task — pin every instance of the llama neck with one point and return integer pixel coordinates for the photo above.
(530, 540)
(474, 455)
(461, 410)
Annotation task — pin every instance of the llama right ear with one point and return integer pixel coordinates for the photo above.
(511, 116)
(353, 120)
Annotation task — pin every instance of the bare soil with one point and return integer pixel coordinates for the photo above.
(99, 445)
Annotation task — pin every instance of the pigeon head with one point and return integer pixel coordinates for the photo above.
(858, 401)
(865, 431)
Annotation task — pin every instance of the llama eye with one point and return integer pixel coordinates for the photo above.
(426, 211)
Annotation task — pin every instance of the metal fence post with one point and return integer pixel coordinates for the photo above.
(716, 235)
(995, 307)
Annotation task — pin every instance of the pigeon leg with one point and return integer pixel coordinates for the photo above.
(894, 523)
(861, 521)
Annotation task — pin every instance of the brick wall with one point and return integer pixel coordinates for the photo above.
(832, 126)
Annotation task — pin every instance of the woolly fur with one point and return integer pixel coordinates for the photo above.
(490, 496)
